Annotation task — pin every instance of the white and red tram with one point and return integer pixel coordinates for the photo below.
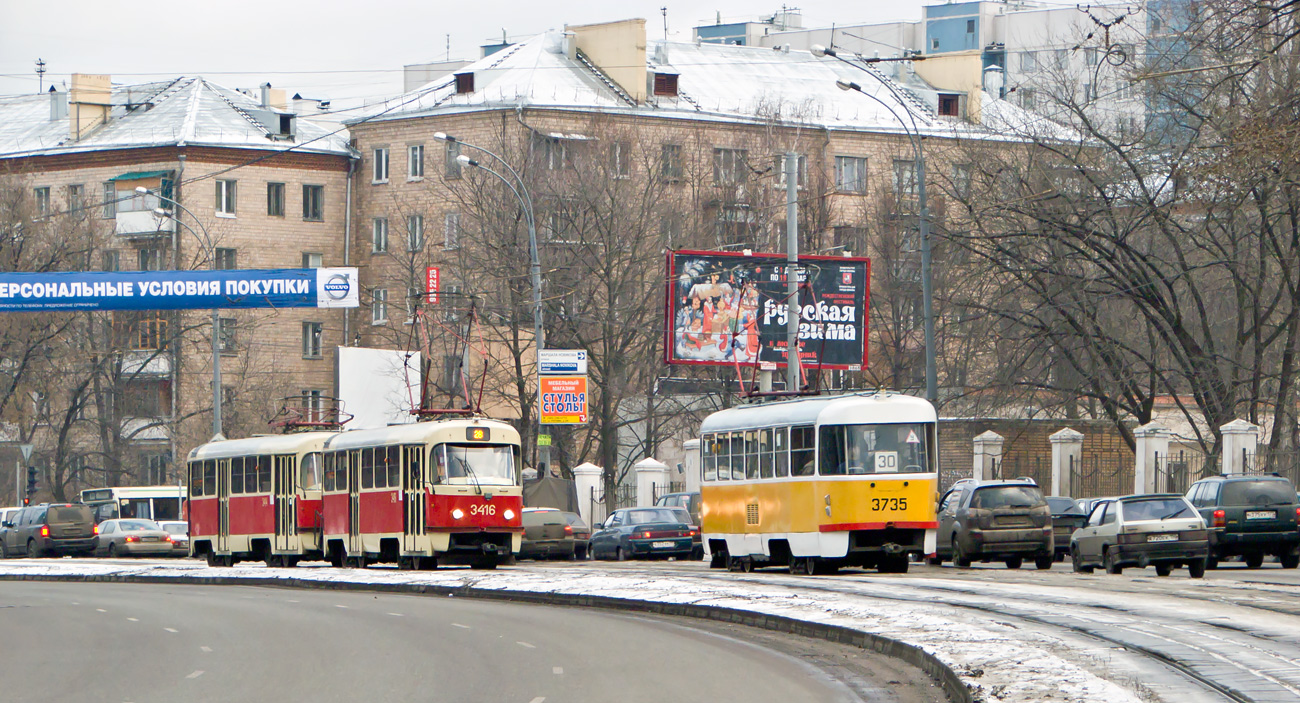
(257, 498)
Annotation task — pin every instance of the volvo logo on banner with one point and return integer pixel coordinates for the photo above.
(180, 290)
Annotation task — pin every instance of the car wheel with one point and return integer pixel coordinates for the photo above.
(1163, 569)
(935, 560)
(621, 555)
(1212, 563)
(33, 550)
(1290, 561)
(1015, 562)
(1076, 561)
(959, 557)
(112, 550)
(1196, 568)
(1044, 563)
(1254, 561)
(4, 553)
(1111, 559)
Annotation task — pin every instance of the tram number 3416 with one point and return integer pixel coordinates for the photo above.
(889, 504)
(481, 509)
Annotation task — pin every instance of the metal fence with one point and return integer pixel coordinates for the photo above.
(670, 487)
(1099, 475)
(1283, 462)
(1037, 467)
(602, 504)
(1177, 471)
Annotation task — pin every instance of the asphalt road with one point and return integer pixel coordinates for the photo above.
(92, 642)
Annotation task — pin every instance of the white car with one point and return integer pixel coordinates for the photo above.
(180, 532)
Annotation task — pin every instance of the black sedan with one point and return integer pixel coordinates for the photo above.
(643, 533)
(1067, 517)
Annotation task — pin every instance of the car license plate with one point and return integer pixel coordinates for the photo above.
(662, 545)
(1162, 538)
(1261, 514)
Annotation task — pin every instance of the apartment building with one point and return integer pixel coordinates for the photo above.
(238, 179)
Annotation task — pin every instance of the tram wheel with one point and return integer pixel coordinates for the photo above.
(718, 560)
(747, 565)
(273, 560)
(426, 563)
(406, 563)
(809, 566)
(336, 558)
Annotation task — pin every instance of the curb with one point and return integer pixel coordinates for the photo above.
(947, 679)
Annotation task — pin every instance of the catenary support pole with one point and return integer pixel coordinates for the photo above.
(792, 271)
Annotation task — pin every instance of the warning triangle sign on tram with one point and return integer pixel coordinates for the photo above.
(912, 438)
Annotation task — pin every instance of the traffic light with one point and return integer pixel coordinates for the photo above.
(31, 481)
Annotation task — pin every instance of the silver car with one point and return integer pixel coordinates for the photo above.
(133, 537)
(1160, 530)
(180, 532)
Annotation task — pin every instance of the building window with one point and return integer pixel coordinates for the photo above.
(970, 26)
(313, 403)
(949, 105)
(275, 199)
(141, 331)
(42, 201)
(1062, 58)
(380, 173)
(415, 232)
(110, 260)
(961, 180)
(801, 175)
(226, 335)
(149, 259)
(155, 470)
(379, 235)
(311, 339)
(554, 153)
(464, 83)
(311, 260)
(76, 196)
(905, 178)
(620, 159)
(670, 163)
(415, 161)
(1028, 99)
(313, 203)
(226, 198)
(379, 306)
(450, 156)
(451, 230)
(729, 166)
(1028, 62)
(851, 174)
(226, 258)
(110, 200)
(666, 84)
(413, 296)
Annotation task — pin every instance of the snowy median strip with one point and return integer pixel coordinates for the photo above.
(994, 659)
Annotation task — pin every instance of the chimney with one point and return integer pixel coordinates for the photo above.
(994, 81)
(89, 101)
(570, 45)
(266, 95)
(58, 104)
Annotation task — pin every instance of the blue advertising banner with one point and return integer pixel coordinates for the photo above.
(180, 290)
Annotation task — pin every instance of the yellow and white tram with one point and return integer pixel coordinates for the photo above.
(818, 483)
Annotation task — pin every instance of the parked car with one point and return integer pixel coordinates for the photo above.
(581, 534)
(644, 532)
(180, 532)
(133, 537)
(1251, 516)
(995, 521)
(1086, 504)
(547, 534)
(689, 501)
(49, 529)
(1161, 530)
(1067, 517)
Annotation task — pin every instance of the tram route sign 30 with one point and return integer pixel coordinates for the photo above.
(180, 290)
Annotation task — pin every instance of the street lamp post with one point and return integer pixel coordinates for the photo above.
(210, 247)
(923, 215)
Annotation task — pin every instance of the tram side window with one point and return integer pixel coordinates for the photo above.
(413, 468)
(722, 446)
(737, 456)
(802, 441)
(394, 466)
(780, 449)
(327, 482)
(263, 475)
(367, 468)
(309, 472)
(751, 454)
(209, 478)
(708, 459)
(196, 479)
(237, 475)
(831, 448)
(765, 453)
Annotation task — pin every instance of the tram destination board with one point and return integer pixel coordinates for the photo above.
(724, 309)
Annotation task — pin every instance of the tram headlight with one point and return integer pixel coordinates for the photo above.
(458, 513)
(509, 514)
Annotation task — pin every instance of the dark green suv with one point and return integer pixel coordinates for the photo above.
(1251, 516)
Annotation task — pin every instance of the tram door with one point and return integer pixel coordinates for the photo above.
(354, 502)
(223, 505)
(413, 494)
(283, 490)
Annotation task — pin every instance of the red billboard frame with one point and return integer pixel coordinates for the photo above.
(670, 356)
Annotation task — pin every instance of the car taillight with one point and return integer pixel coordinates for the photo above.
(568, 529)
(45, 530)
(167, 538)
(132, 539)
(690, 533)
(1221, 518)
(97, 526)
(643, 535)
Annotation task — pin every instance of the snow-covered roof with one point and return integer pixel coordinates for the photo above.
(189, 111)
(715, 82)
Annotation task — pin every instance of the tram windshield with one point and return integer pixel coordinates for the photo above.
(873, 449)
(474, 463)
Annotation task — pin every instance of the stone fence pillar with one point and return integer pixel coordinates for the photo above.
(650, 474)
(586, 480)
(1067, 454)
(1152, 443)
(1240, 440)
(988, 455)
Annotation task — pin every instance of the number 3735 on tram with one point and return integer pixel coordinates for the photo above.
(819, 483)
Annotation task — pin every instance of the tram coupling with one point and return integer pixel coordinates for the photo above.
(893, 548)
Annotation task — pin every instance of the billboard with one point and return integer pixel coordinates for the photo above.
(378, 387)
(564, 400)
(724, 309)
(180, 290)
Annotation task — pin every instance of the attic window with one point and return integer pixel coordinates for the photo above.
(286, 124)
(949, 105)
(666, 84)
(464, 83)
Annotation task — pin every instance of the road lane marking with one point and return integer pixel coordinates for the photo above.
(101, 610)
(171, 630)
(397, 615)
(463, 627)
(205, 648)
(341, 606)
(134, 619)
(194, 674)
(539, 699)
(525, 644)
(293, 601)
(557, 670)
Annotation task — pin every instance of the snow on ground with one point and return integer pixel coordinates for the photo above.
(997, 659)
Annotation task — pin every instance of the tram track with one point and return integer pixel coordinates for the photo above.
(1262, 666)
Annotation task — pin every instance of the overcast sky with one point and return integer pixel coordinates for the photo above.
(329, 48)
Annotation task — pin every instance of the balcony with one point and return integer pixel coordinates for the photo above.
(145, 429)
(146, 363)
(143, 223)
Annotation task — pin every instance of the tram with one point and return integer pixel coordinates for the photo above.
(819, 483)
(257, 499)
